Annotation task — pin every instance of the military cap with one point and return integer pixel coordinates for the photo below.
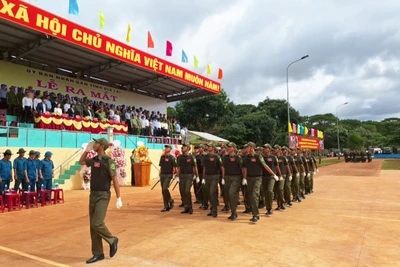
(245, 145)
(48, 154)
(201, 146)
(285, 148)
(37, 153)
(251, 144)
(167, 146)
(102, 141)
(32, 152)
(277, 147)
(187, 145)
(259, 148)
(7, 152)
(231, 144)
(267, 146)
(21, 150)
(196, 147)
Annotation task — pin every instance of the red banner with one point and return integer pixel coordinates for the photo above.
(298, 141)
(40, 20)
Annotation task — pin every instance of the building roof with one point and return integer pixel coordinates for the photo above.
(24, 43)
(208, 137)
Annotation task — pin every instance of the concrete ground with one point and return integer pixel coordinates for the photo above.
(352, 219)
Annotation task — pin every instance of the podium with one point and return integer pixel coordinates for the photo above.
(142, 173)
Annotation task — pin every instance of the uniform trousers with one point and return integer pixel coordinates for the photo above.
(231, 190)
(165, 181)
(253, 193)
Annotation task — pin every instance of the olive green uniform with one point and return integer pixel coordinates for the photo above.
(233, 177)
(186, 163)
(280, 185)
(303, 177)
(268, 181)
(254, 164)
(212, 169)
(12, 102)
(199, 189)
(288, 182)
(102, 169)
(167, 164)
(310, 175)
(296, 180)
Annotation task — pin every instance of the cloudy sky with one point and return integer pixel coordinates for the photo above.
(354, 46)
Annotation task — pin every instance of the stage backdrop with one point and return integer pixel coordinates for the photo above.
(312, 143)
(21, 76)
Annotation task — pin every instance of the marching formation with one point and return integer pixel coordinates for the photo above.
(262, 174)
(357, 156)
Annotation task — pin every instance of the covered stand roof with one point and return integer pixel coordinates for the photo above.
(24, 42)
(208, 137)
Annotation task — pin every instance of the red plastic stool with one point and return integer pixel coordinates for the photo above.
(30, 199)
(13, 201)
(2, 204)
(42, 195)
(58, 195)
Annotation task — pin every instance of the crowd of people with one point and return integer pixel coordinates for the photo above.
(263, 174)
(357, 156)
(28, 173)
(26, 103)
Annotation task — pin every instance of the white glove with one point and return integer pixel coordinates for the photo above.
(89, 146)
(177, 179)
(203, 181)
(276, 178)
(119, 203)
(290, 178)
(197, 179)
(304, 174)
(281, 178)
(223, 181)
(297, 175)
(244, 182)
(317, 170)
(314, 173)
(308, 175)
(159, 178)
(194, 177)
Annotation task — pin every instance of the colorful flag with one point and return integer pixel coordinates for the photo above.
(73, 7)
(294, 128)
(128, 35)
(196, 62)
(208, 69)
(102, 20)
(184, 57)
(298, 129)
(290, 128)
(305, 130)
(150, 43)
(168, 51)
(220, 74)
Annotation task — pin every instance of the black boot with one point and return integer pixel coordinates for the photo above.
(181, 205)
(165, 209)
(171, 204)
(269, 212)
(95, 258)
(190, 211)
(185, 211)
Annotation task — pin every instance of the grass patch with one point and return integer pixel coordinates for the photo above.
(327, 162)
(391, 165)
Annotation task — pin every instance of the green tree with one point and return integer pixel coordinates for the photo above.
(355, 141)
(171, 112)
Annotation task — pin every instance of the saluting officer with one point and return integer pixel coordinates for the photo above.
(299, 175)
(5, 171)
(211, 173)
(289, 178)
(233, 165)
(253, 166)
(268, 180)
(280, 185)
(186, 168)
(167, 169)
(103, 172)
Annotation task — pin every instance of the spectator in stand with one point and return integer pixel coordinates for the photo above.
(177, 128)
(117, 117)
(143, 126)
(67, 106)
(88, 113)
(36, 101)
(48, 103)
(71, 111)
(111, 113)
(27, 106)
(3, 96)
(41, 107)
(58, 110)
(100, 114)
(12, 100)
(147, 124)
(20, 96)
(154, 123)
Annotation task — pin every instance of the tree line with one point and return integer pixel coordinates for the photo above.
(267, 123)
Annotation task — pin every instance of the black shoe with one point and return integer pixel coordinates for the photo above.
(171, 204)
(95, 258)
(205, 207)
(269, 212)
(181, 205)
(114, 247)
(278, 208)
(247, 211)
(282, 207)
(215, 214)
(185, 211)
(261, 206)
(226, 209)
(165, 209)
(290, 204)
(201, 207)
(254, 219)
(210, 214)
(233, 217)
(190, 211)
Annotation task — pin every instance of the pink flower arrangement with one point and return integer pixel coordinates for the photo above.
(87, 175)
(118, 155)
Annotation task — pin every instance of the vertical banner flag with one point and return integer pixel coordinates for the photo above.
(184, 57)
(196, 62)
(150, 43)
(298, 129)
(102, 20)
(73, 7)
(305, 130)
(128, 35)
(208, 69)
(168, 51)
(294, 128)
(220, 74)
(290, 128)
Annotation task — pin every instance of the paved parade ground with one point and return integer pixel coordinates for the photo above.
(352, 219)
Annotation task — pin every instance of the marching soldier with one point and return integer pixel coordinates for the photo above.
(292, 178)
(186, 171)
(285, 171)
(197, 186)
(211, 173)
(310, 173)
(222, 153)
(299, 178)
(268, 180)
(233, 165)
(261, 204)
(244, 151)
(303, 178)
(252, 177)
(315, 165)
(167, 169)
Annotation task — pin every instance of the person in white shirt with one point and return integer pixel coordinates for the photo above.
(36, 101)
(117, 118)
(147, 125)
(183, 135)
(128, 116)
(57, 110)
(27, 106)
(143, 125)
(67, 106)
